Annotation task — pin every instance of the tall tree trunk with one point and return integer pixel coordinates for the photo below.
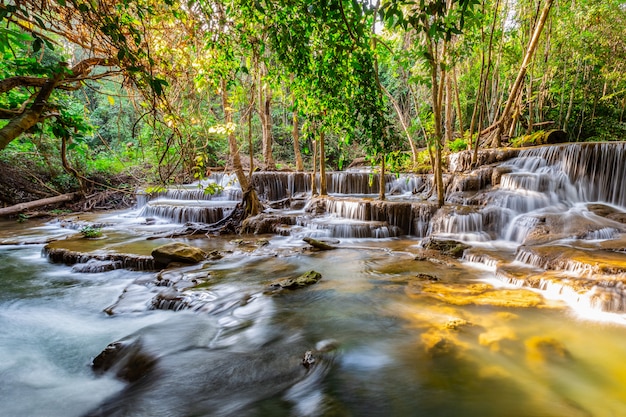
(529, 98)
(437, 94)
(459, 114)
(250, 144)
(252, 205)
(265, 114)
(381, 179)
(448, 109)
(314, 173)
(295, 133)
(506, 117)
(323, 190)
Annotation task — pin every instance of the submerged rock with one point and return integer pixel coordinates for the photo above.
(304, 280)
(546, 349)
(473, 293)
(178, 252)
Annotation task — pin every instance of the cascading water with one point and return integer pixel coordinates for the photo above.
(391, 329)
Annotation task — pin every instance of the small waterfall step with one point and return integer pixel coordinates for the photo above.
(188, 211)
(337, 227)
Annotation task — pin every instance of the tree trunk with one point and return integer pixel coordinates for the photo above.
(448, 109)
(529, 98)
(22, 207)
(30, 117)
(265, 114)
(505, 118)
(437, 94)
(459, 114)
(251, 203)
(322, 165)
(314, 174)
(296, 142)
(381, 179)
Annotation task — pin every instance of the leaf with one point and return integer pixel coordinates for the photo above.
(37, 44)
(111, 100)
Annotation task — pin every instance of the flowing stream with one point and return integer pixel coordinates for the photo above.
(389, 330)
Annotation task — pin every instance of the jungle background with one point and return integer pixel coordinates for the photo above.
(100, 97)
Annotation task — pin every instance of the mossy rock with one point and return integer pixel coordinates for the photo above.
(445, 246)
(304, 280)
(541, 137)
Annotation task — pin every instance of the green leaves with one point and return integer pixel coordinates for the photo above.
(157, 85)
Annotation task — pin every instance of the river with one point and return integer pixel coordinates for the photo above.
(530, 321)
(388, 351)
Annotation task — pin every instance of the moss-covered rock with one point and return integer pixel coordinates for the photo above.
(445, 246)
(304, 280)
(541, 137)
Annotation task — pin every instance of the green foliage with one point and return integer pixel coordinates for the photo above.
(457, 145)
(156, 189)
(90, 232)
(213, 188)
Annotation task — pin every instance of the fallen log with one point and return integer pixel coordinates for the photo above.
(19, 208)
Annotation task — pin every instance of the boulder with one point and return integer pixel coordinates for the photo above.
(304, 280)
(178, 252)
(447, 247)
(267, 223)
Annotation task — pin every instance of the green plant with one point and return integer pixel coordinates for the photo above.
(21, 218)
(213, 188)
(91, 232)
(458, 145)
(60, 211)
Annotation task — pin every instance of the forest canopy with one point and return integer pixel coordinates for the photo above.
(178, 89)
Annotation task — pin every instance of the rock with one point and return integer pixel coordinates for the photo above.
(497, 173)
(447, 247)
(477, 294)
(304, 280)
(549, 137)
(178, 252)
(267, 223)
(57, 254)
(546, 349)
(126, 359)
(427, 277)
(318, 244)
(555, 136)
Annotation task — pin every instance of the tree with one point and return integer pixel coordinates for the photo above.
(506, 118)
(98, 33)
(437, 21)
(328, 48)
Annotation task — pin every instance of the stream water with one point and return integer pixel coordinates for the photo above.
(385, 332)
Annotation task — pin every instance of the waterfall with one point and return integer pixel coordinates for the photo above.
(595, 169)
(459, 222)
